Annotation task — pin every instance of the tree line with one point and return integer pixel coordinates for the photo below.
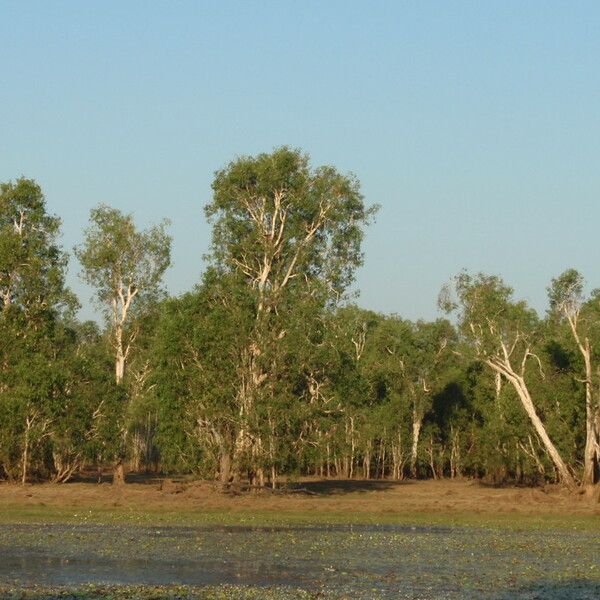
(266, 368)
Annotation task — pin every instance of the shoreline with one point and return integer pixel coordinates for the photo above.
(169, 502)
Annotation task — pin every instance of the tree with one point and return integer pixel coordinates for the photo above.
(123, 264)
(33, 298)
(408, 359)
(351, 374)
(85, 405)
(583, 318)
(289, 234)
(424, 362)
(32, 265)
(503, 333)
(126, 268)
(195, 354)
(392, 415)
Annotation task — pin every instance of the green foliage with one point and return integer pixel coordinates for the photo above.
(50, 391)
(264, 368)
(32, 265)
(198, 341)
(115, 256)
(318, 214)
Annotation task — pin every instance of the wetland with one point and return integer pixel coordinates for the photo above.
(351, 561)
(189, 541)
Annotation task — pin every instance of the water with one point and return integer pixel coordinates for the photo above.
(361, 561)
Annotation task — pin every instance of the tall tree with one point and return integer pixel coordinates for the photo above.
(33, 297)
(195, 354)
(425, 361)
(288, 233)
(583, 318)
(32, 265)
(126, 267)
(86, 401)
(503, 335)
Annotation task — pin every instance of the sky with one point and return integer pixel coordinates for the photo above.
(475, 125)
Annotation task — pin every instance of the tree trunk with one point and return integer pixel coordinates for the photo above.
(431, 453)
(119, 473)
(590, 454)
(25, 458)
(25, 455)
(590, 458)
(345, 466)
(224, 466)
(367, 462)
(416, 432)
(119, 355)
(520, 387)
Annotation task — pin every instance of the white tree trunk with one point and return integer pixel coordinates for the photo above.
(590, 454)
(119, 366)
(416, 432)
(518, 383)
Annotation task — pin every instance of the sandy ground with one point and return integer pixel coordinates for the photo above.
(320, 496)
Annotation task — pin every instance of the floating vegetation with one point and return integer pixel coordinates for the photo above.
(299, 561)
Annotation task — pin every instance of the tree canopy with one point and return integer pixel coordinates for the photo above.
(268, 368)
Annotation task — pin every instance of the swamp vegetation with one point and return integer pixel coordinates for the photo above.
(322, 560)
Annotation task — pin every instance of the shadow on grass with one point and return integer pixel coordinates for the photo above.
(331, 487)
(324, 487)
(106, 477)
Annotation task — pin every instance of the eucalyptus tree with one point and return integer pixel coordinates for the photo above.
(195, 361)
(450, 422)
(503, 334)
(411, 361)
(125, 266)
(385, 361)
(32, 265)
(383, 376)
(583, 318)
(287, 232)
(33, 296)
(299, 407)
(86, 402)
(352, 375)
(425, 363)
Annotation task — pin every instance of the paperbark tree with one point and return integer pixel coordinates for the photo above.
(566, 300)
(424, 362)
(196, 356)
(287, 232)
(502, 333)
(32, 265)
(126, 267)
(33, 297)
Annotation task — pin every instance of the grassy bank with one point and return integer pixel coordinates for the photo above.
(189, 503)
(39, 514)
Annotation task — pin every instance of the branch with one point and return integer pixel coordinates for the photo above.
(310, 232)
(537, 358)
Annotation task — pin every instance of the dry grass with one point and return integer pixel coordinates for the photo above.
(322, 497)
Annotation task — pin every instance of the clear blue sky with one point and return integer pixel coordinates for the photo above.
(476, 125)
